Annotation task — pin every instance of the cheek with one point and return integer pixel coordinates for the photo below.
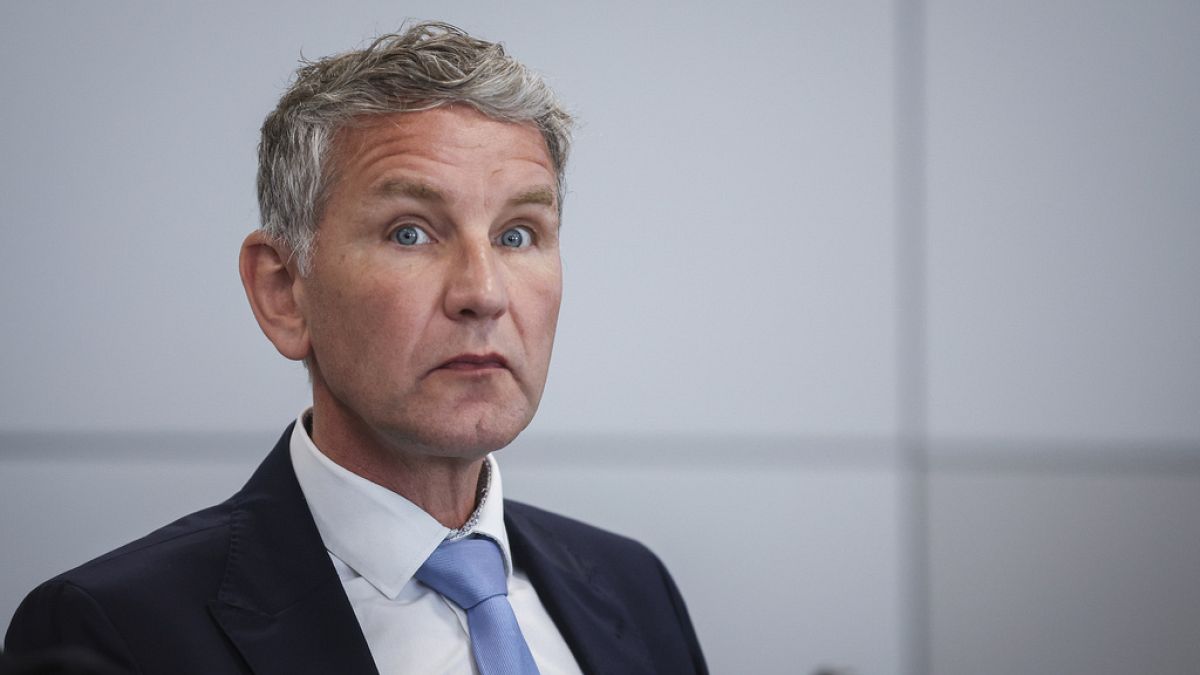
(553, 301)
(541, 305)
(360, 323)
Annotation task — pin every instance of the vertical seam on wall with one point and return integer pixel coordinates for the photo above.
(912, 387)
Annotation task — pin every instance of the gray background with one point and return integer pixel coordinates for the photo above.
(881, 320)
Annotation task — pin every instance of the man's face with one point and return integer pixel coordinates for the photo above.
(436, 281)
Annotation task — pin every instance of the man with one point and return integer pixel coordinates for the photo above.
(411, 195)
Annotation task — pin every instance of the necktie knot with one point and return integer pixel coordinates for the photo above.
(467, 571)
(470, 573)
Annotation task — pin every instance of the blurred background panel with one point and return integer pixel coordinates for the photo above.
(1064, 220)
(890, 307)
(1063, 224)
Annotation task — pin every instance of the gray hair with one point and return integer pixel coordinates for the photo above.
(427, 66)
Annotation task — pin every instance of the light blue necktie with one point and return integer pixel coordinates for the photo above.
(470, 572)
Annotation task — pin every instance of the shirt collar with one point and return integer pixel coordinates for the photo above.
(377, 533)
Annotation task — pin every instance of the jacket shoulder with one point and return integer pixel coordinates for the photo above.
(175, 566)
(170, 554)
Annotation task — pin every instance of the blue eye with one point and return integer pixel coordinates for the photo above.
(516, 237)
(410, 235)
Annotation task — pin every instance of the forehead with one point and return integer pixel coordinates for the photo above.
(429, 141)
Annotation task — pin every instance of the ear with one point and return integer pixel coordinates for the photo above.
(274, 289)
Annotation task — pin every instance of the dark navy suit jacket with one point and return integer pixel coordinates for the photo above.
(247, 587)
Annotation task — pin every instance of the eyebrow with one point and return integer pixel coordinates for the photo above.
(540, 196)
(413, 189)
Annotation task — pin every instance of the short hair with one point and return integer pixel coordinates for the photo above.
(428, 65)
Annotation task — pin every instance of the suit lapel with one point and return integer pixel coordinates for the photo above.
(579, 599)
(281, 602)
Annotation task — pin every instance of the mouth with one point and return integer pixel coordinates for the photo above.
(474, 363)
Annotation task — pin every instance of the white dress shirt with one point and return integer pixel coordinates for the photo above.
(378, 539)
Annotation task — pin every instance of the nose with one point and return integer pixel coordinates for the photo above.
(475, 284)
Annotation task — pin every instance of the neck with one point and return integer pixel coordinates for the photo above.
(446, 488)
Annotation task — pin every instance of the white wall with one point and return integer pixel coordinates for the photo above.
(899, 295)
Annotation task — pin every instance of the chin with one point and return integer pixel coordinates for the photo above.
(471, 436)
